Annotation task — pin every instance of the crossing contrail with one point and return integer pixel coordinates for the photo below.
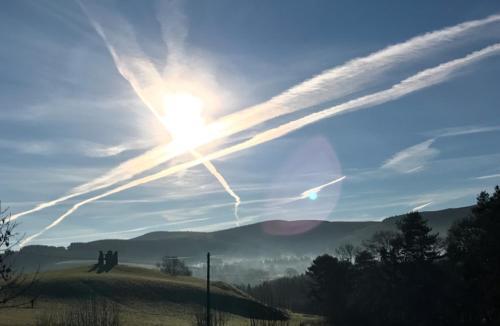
(419, 81)
(331, 84)
(147, 82)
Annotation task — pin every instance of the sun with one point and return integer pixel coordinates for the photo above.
(183, 117)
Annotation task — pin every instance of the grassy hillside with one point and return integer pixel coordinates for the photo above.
(145, 297)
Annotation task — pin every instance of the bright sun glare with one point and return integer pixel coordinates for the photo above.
(183, 117)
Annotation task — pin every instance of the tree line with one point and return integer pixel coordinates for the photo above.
(410, 276)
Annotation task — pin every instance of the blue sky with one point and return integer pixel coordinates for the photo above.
(68, 116)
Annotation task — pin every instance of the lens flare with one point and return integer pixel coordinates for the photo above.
(313, 196)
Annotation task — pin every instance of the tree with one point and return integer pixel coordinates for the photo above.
(396, 280)
(473, 248)
(381, 244)
(13, 284)
(100, 259)
(346, 252)
(415, 243)
(172, 265)
(331, 287)
(407, 278)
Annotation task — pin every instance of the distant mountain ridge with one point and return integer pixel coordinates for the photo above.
(263, 239)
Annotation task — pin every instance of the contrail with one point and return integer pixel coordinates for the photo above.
(348, 75)
(44, 205)
(150, 94)
(421, 206)
(144, 162)
(491, 176)
(309, 192)
(317, 189)
(419, 81)
(223, 182)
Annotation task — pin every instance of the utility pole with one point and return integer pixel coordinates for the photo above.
(208, 289)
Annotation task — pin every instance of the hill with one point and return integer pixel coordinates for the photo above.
(143, 296)
(266, 239)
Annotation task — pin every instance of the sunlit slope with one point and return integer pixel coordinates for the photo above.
(134, 287)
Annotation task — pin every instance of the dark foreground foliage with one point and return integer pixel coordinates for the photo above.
(13, 282)
(409, 277)
(290, 293)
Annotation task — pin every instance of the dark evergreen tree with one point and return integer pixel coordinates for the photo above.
(115, 258)
(100, 259)
(108, 260)
(331, 286)
(474, 250)
(415, 242)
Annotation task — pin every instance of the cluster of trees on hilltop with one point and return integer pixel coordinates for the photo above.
(174, 266)
(406, 277)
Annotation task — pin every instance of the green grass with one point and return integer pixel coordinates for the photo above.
(144, 297)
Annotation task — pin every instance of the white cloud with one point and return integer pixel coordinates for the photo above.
(412, 159)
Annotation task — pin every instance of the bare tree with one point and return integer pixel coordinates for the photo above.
(381, 243)
(13, 284)
(346, 252)
(172, 265)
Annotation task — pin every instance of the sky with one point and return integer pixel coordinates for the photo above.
(79, 96)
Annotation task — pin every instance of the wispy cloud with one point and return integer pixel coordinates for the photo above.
(462, 130)
(98, 150)
(28, 147)
(413, 158)
(74, 147)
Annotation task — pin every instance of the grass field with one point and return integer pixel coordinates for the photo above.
(143, 297)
